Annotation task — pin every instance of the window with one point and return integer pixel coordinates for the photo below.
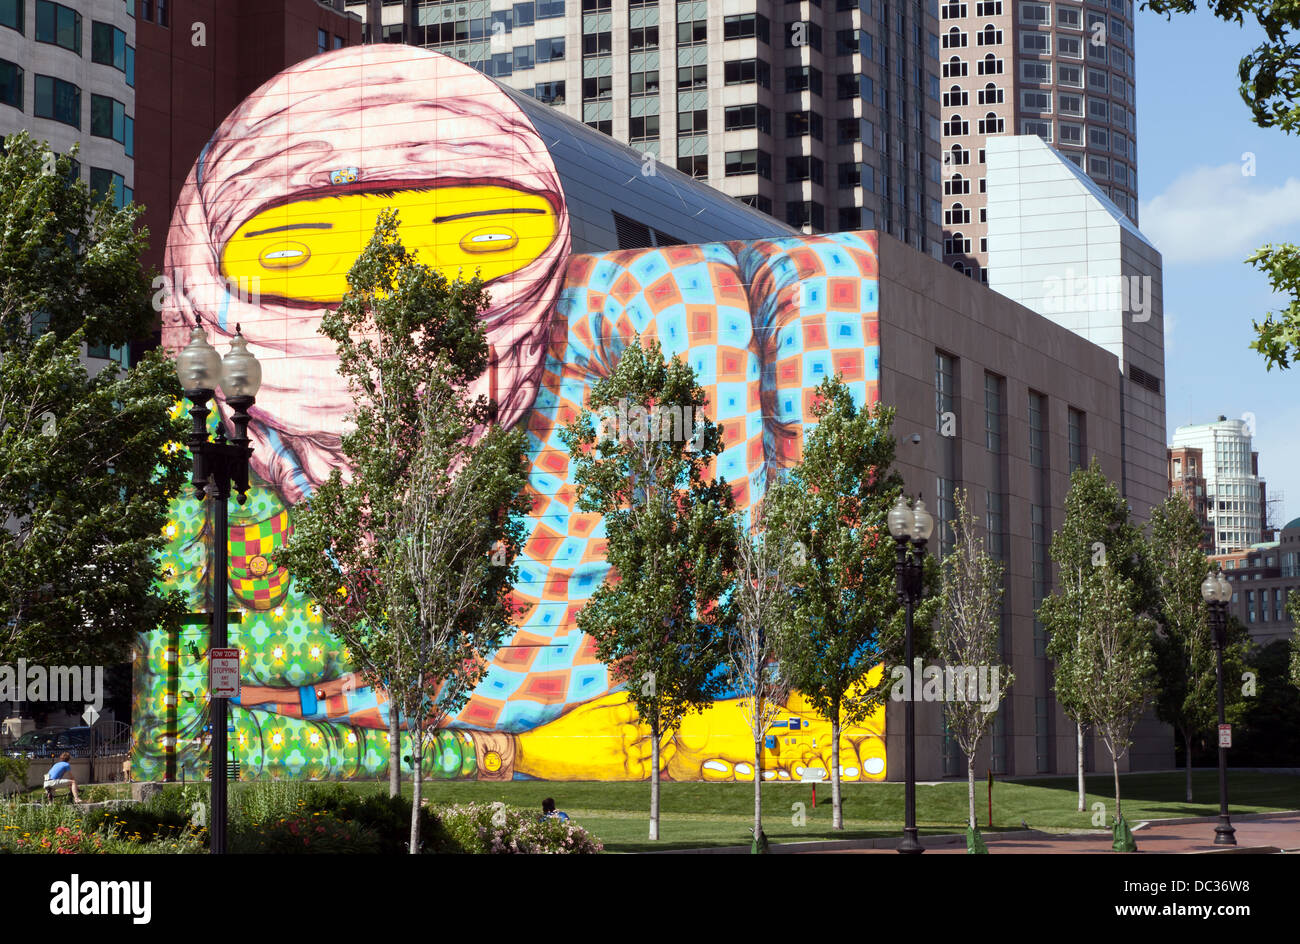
(956, 245)
(953, 11)
(1069, 17)
(598, 88)
(1070, 104)
(13, 15)
(803, 79)
(322, 41)
(954, 68)
(1071, 76)
(1033, 70)
(1041, 128)
(644, 83)
(956, 156)
(991, 124)
(807, 213)
(801, 33)
(799, 123)
(58, 25)
(11, 84)
(692, 76)
(956, 215)
(1097, 109)
(955, 97)
(643, 38)
(956, 126)
(1036, 14)
(550, 50)
(757, 201)
(58, 100)
(1078, 437)
(102, 181)
(1119, 144)
(597, 6)
(523, 14)
(595, 45)
(990, 65)
(1035, 43)
(1118, 116)
(954, 39)
(1098, 166)
(550, 9)
(695, 165)
(746, 25)
(1071, 47)
(643, 128)
(692, 27)
(989, 36)
(1097, 80)
(549, 93)
(108, 118)
(738, 117)
(752, 161)
(957, 184)
(990, 95)
(162, 13)
(993, 8)
(747, 71)
(803, 168)
(1035, 100)
(852, 41)
(523, 57)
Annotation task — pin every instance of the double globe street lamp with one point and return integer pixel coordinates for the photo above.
(220, 465)
(1217, 591)
(911, 529)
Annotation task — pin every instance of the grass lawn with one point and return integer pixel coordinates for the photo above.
(720, 814)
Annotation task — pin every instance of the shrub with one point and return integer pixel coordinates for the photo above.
(388, 818)
(497, 829)
(306, 833)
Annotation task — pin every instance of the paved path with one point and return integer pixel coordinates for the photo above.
(1273, 833)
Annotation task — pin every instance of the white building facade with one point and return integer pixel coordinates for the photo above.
(1232, 486)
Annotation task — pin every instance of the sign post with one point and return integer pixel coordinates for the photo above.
(1225, 735)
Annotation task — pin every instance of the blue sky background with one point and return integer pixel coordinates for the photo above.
(1205, 217)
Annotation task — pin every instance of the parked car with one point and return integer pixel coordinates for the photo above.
(39, 743)
(76, 741)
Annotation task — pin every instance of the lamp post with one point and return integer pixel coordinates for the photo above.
(910, 528)
(1217, 591)
(219, 466)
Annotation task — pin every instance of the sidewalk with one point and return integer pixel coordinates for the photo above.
(1261, 832)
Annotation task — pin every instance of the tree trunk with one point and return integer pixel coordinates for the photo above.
(970, 786)
(394, 750)
(654, 781)
(837, 805)
(758, 787)
(416, 778)
(1079, 727)
(1187, 744)
(1114, 763)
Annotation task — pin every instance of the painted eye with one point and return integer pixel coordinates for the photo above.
(284, 255)
(489, 239)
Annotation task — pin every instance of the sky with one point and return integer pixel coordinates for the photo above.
(1206, 217)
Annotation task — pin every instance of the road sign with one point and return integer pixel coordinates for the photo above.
(90, 715)
(1225, 735)
(223, 673)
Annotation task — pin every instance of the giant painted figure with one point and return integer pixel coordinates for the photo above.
(285, 196)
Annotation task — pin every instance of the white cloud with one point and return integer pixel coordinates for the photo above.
(1214, 214)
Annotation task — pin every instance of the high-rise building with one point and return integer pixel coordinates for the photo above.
(1234, 505)
(67, 76)
(1187, 478)
(823, 113)
(1062, 71)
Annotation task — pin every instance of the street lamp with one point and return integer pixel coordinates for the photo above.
(219, 466)
(1217, 591)
(910, 528)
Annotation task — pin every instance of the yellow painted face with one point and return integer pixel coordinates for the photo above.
(303, 250)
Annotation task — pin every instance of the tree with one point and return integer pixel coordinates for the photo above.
(1185, 658)
(969, 635)
(411, 557)
(765, 559)
(1117, 664)
(1096, 531)
(87, 463)
(1270, 86)
(660, 620)
(843, 617)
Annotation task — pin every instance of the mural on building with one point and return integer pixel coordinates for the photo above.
(284, 197)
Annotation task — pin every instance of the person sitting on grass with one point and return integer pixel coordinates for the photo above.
(57, 777)
(548, 809)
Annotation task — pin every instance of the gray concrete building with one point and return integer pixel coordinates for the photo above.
(823, 114)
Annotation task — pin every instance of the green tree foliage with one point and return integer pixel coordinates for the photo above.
(1096, 532)
(1184, 645)
(412, 557)
(844, 618)
(658, 620)
(87, 464)
(1270, 86)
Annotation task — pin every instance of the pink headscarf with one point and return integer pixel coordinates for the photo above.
(405, 118)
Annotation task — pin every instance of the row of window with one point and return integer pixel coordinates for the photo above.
(59, 25)
(1037, 13)
(59, 100)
